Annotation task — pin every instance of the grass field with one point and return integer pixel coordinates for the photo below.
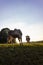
(26, 54)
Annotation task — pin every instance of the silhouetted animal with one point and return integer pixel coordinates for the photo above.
(16, 33)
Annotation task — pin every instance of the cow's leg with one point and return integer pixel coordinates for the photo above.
(20, 41)
(10, 39)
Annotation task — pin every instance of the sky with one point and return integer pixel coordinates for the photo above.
(26, 15)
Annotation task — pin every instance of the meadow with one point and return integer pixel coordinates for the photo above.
(24, 54)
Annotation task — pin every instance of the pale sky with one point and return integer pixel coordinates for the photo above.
(26, 15)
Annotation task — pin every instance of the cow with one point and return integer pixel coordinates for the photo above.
(16, 33)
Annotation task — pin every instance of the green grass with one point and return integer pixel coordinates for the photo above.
(26, 54)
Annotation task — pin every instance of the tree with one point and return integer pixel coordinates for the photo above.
(4, 35)
(28, 38)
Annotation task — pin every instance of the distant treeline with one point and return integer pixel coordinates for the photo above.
(37, 41)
